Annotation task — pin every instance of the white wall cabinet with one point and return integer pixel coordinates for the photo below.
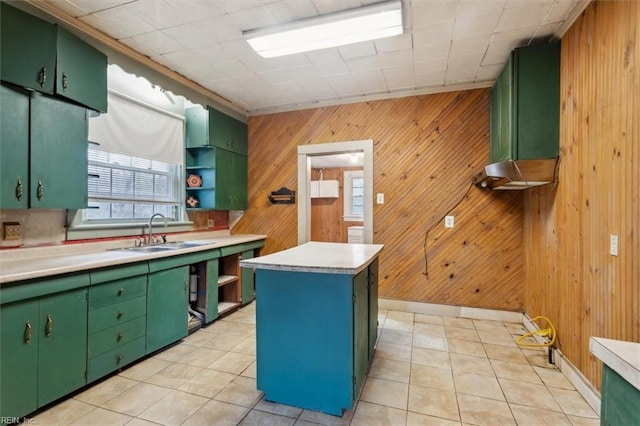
(325, 189)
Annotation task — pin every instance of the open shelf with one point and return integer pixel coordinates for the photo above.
(226, 306)
(226, 279)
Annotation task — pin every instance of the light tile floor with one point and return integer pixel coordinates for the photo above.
(427, 370)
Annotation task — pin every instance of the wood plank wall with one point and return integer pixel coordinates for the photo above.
(572, 278)
(326, 213)
(426, 150)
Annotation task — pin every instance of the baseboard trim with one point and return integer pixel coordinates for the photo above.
(449, 310)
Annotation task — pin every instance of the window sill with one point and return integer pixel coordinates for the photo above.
(353, 218)
(109, 230)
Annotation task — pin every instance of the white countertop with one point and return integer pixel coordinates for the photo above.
(622, 357)
(27, 263)
(328, 258)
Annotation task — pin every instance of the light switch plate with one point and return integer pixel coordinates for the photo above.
(613, 245)
(448, 221)
(210, 223)
(380, 198)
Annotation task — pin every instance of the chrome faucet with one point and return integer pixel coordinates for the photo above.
(151, 225)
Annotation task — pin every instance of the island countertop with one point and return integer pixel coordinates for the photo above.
(320, 257)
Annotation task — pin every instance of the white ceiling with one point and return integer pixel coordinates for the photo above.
(447, 45)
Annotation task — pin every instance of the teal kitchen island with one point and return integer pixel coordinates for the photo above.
(316, 323)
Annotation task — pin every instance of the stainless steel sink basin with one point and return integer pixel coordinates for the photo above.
(175, 245)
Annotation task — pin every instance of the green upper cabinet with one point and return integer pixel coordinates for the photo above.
(14, 147)
(231, 181)
(227, 133)
(58, 159)
(525, 105)
(217, 152)
(81, 72)
(46, 166)
(44, 57)
(27, 50)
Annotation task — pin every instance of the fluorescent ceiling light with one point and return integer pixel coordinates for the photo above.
(337, 29)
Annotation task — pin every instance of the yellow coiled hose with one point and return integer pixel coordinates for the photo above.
(549, 333)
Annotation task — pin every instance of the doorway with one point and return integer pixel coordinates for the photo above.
(305, 155)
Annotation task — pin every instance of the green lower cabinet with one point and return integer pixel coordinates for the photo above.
(620, 400)
(248, 279)
(19, 339)
(213, 268)
(167, 307)
(44, 349)
(114, 359)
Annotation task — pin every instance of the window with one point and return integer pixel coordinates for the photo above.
(353, 195)
(123, 187)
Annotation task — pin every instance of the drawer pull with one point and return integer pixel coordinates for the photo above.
(48, 328)
(119, 359)
(120, 314)
(27, 332)
(120, 336)
(120, 291)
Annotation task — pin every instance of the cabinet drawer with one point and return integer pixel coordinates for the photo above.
(114, 337)
(104, 364)
(116, 291)
(117, 313)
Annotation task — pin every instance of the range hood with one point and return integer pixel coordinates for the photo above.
(517, 174)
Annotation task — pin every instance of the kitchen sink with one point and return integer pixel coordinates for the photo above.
(175, 245)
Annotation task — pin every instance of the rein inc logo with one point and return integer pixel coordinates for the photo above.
(8, 420)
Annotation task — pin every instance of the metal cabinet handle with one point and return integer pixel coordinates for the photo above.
(19, 189)
(65, 82)
(42, 77)
(27, 332)
(119, 359)
(48, 328)
(120, 291)
(120, 336)
(40, 191)
(120, 314)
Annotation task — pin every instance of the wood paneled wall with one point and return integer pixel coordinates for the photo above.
(326, 213)
(571, 277)
(426, 150)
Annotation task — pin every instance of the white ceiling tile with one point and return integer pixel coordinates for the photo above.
(544, 33)
(345, 85)
(460, 75)
(357, 50)
(155, 43)
(398, 58)
(430, 52)
(324, 55)
(430, 80)
(163, 14)
(464, 62)
(475, 19)
(69, 8)
(559, 11)
(489, 72)
(91, 6)
(329, 6)
(401, 83)
(523, 15)
(469, 46)
(332, 68)
(191, 36)
(430, 67)
(398, 73)
(425, 13)
(363, 64)
(118, 22)
(186, 62)
(371, 81)
(292, 10)
(439, 32)
(253, 18)
(392, 44)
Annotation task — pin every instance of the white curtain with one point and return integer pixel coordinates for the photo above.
(137, 130)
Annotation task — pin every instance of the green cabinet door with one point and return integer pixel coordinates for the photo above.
(19, 360)
(167, 307)
(58, 158)
(248, 279)
(27, 50)
(62, 350)
(231, 180)
(373, 307)
(14, 148)
(196, 127)
(213, 270)
(226, 132)
(81, 72)
(360, 329)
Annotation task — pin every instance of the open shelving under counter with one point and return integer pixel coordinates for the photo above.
(229, 286)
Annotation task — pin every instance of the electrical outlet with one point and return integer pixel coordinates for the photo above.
(448, 221)
(613, 245)
(380, 198)
(210, 223)
(11, 231)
